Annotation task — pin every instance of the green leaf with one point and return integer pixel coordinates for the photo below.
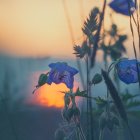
(97, 79)
(80, 93)
(42, 79)
(100, 102)
(115, 96)
(127, 96)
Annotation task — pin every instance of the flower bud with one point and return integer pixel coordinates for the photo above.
(97, 79)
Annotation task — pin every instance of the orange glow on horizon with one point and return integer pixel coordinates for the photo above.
(39, 28)
(51, 96)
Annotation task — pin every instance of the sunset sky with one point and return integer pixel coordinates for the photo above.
(34, 34)
(39, 27)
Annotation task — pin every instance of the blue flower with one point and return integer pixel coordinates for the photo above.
(122, 7)
(127, 70)
(61, 73)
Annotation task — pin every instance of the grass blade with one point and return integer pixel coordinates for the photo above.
(114, 94)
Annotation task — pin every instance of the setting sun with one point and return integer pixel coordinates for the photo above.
(50, 95)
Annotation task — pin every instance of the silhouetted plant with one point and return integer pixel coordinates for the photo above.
(113, 110)
(114, 47)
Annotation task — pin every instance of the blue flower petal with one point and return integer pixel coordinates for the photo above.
(71, 70)
(127, 71)
(61, 73)
(68, 80)
(121, 6)
(59, 66)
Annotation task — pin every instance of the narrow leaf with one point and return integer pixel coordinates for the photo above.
(114, 94)
(127, 96)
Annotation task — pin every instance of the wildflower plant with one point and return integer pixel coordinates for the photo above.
(112, 110)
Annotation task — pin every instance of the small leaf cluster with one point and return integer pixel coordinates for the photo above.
(90, 29)
(113, 43)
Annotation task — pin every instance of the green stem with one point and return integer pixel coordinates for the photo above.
(101, 134)
(88, 136)
(89, 102)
